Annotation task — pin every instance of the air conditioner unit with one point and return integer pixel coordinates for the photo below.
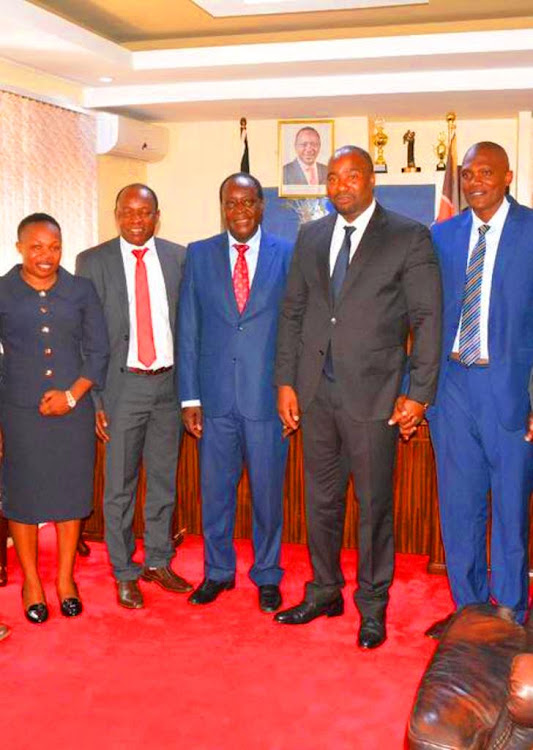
(122, 136)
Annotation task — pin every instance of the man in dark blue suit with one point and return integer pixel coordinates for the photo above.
(482, 409)
(228, 321)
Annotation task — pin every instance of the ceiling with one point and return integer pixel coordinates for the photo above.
(183, 21)
(169, 60)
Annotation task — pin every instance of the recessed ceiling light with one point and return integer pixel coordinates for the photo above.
(105, 79)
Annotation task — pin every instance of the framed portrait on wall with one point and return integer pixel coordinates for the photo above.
(304, 148)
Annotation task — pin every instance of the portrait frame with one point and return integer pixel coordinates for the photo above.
(292, 181)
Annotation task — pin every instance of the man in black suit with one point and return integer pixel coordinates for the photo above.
(360, 279)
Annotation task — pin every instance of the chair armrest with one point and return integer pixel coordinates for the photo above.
(520, 690)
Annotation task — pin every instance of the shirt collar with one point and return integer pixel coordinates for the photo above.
(127, 248)
(497, 221)
(253, 243)
(361, 222)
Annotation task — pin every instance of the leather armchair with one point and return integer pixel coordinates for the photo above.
(477, 692)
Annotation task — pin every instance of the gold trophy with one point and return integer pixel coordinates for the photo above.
(441, 150)
(380, 139)
(409, 138)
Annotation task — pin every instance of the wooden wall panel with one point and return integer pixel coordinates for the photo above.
(416, 523)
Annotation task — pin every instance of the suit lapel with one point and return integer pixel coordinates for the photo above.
(369, 243)
(262, 272)
(509, 241)
(222, 273)
(322, 240)
(117, 275)
(169, 270)
(460, 259)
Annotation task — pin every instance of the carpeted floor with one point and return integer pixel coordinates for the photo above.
(218, 677)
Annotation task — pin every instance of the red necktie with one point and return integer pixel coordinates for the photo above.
(145, 333)
(241, 280)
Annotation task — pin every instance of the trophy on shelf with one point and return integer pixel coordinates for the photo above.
(409, 138)
(380, 139)
(441, 150)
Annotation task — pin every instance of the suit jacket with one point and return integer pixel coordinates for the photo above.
(104, 266)
(75, 344)
(510, 327)
(392, 285)
(227, 359)
(293, 174)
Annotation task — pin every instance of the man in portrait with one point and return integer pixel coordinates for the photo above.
(304, 169)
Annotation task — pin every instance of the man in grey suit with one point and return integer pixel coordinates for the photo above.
(137, 277)
(360, 279)
(305, 170)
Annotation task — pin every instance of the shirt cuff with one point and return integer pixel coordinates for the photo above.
(191, 402)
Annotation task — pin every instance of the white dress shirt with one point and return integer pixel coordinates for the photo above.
(164, 347)
(251, 256)
(492, 239)
(339, 234)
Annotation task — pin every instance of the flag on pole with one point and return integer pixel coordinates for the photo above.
(245, 158)
(449, 202)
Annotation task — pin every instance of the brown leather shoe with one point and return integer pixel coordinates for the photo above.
(4, 631)
(436, 631)
(129, 595)
(167, 579)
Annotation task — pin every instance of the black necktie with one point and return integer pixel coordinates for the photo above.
(341, 264)
(336, 282)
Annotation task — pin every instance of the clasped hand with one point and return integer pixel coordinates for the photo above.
(54, 404)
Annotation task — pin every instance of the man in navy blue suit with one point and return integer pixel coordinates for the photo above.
(228, 321)
(481, 424)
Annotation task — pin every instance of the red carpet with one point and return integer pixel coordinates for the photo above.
(213, 678)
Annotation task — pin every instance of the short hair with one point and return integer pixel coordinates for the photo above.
(344, 150)
(242, 175)
(37, 218)
(307, 127)
(137, 186)
(489, 146)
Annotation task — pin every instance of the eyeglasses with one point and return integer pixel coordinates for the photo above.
(248, 203)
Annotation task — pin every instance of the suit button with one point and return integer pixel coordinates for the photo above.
(126, 337)
(42, 293)
(240, 328)
(234, 359)
(333, 321)
(45, 329)
(43, 310)
(48, 373)
(47, 352)
(121, 369)
(321, 352)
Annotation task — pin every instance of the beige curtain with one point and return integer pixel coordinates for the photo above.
(47, 163)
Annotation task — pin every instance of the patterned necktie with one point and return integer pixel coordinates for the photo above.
(469, 336)
(145, 333)
(336, 282)
(241, 280)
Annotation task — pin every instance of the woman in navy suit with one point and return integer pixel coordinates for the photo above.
(54, 339)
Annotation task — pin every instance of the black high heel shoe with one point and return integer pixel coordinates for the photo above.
(71, 606)
(36, 613)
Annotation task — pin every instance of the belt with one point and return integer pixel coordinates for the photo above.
(140, 371)
(454, 356)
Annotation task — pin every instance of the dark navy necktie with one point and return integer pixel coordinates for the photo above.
(337, 280)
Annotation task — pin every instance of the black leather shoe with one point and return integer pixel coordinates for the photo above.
(208, 590)
(371, 633)
(308, 611)
(71, 607)
(269, 597)
(436, 630)
(37, 613)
